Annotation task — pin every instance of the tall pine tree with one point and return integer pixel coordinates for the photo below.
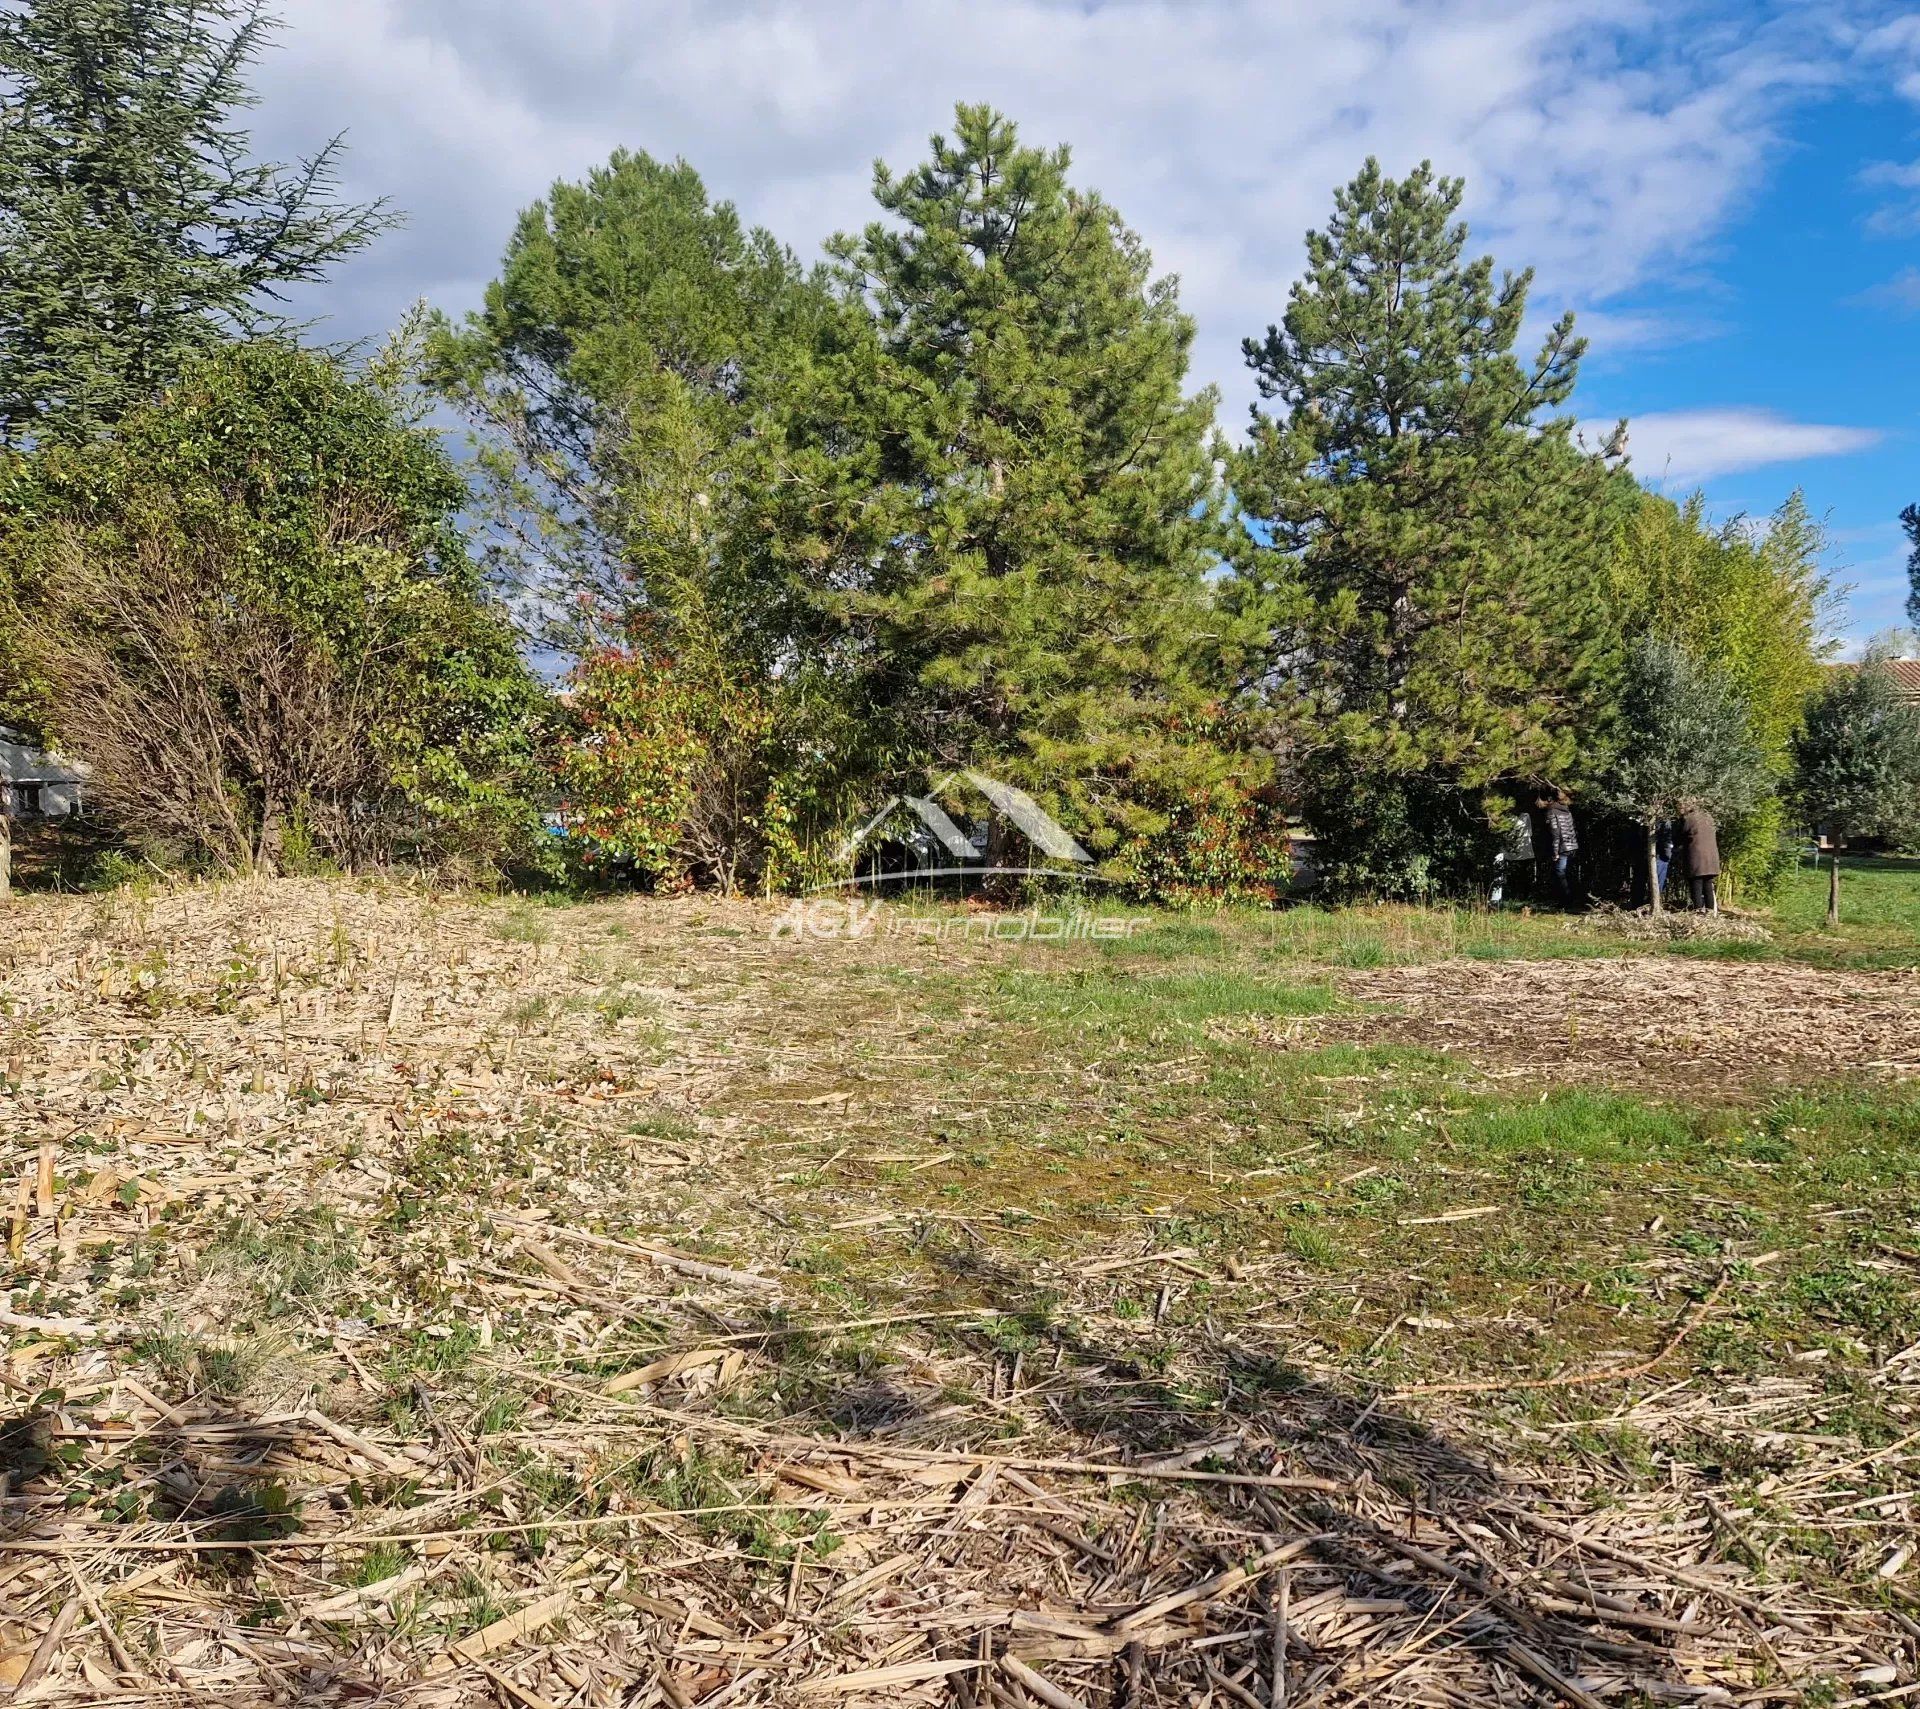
(135, 228)
(616, 375)
(1425, 543)
(1021, 565)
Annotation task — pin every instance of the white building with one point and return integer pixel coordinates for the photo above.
(34, 784)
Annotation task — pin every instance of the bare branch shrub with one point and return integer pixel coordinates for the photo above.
(216, 727)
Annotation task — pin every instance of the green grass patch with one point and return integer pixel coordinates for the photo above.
(1154, 1003)
(1544, 1229)
(1879, 913)
(1593, 1127)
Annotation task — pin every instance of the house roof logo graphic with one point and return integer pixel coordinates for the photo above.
(1041, 829)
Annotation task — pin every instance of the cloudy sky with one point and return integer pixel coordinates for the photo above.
(1727, 193)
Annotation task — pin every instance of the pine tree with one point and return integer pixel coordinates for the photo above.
(616, 376)
(1022, 567)
(1910, 521)
(135, 230)
(1425, 542)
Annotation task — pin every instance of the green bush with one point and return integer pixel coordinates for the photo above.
(1758, 856)
(252, 615)
(1400, 839)
(671, 771)
(1228, 846)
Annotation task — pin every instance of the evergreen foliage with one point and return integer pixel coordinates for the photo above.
(617, 374)
(1684, 739)
(1753, 601)
(136, 231)
(1910, 521)
(1015, 543)
(1424, 544)
(1857, 763)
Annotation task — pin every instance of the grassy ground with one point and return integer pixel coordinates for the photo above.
(1195, 1198)
(1879, 910)
(1880, 927)
(1183, 1082)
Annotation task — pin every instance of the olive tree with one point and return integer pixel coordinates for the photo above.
(1857, 763)
(1684, 738)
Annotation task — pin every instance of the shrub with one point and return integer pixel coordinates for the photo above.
(1404, 839)
(1228, 846)
(673, 768)
(250, 614)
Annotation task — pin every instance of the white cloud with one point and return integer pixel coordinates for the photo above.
(1893, 48)
(1901, 292)
(1678, 449)
(1900, 212)
(1602, 141)
(1891, 55)
(1609, 332)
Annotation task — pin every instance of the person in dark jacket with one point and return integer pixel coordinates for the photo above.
(1666, 839)
(1556, 842)
(1703, 857)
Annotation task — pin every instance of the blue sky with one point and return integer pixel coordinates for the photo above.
(1726, 191)
(1806, 306)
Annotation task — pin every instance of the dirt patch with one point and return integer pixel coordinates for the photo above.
(1646, 1023)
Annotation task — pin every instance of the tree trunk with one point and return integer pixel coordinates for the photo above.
(1399, 650)
(998, 886)
(1833, 887)
(269, 838)
(1658, 902)
(6, 850)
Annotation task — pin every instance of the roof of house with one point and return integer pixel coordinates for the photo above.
(20, 762)
(1906, 675)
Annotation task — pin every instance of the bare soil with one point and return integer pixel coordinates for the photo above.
(1655, 1023)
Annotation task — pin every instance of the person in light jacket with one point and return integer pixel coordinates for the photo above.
(1703, 857)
